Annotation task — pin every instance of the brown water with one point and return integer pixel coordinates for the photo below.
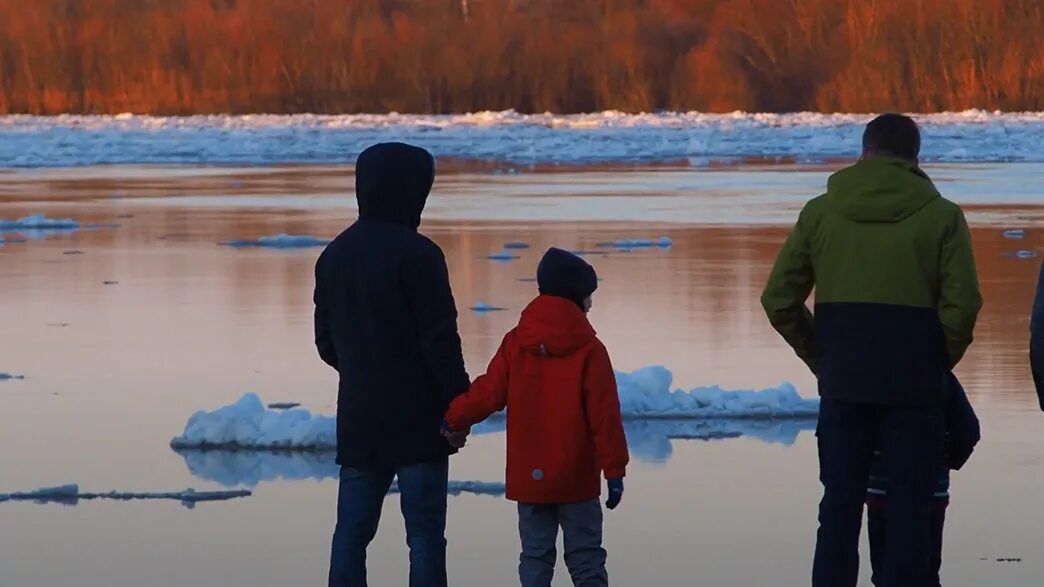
(113, 371)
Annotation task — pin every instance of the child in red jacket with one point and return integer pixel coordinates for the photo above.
(564, 428)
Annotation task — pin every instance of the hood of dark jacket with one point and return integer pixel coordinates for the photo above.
(392, 183)
(880, 189)
(553, 326)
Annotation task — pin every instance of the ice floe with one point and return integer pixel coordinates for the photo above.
(644, 394)
(516, 245)
(483, 308)
(518, 139)
(280, 241)
(10, 377)
(503, 256)
(38, 222)
(71, 495)
(663, 242)
(1014, 233)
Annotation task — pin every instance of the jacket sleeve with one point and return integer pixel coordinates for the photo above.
(488, 393)
(962, 425)
(426, 283)
(323, 341)
(1037, 338)
(789, 285)
(602, 408)
(959, 297)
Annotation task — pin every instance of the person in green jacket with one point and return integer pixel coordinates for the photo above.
(896, 300)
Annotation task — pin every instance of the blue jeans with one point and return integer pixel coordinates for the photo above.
(914, 438)
(581, 525)
(423, 489)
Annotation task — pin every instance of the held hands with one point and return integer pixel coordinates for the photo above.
(455, 439)
(616, 491)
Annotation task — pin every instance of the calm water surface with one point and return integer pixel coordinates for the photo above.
(113, 371)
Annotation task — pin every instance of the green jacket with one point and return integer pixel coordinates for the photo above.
(896, 289)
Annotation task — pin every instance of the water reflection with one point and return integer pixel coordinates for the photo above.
(650, 441)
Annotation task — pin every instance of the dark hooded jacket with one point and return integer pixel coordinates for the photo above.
(896, 290)
(1037, 339)
(386, 320)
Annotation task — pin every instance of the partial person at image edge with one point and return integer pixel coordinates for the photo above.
(564, 427)
(963, 433)
(1037, 338)
(386, 320)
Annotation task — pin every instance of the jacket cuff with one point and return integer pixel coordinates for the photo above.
(615, 473)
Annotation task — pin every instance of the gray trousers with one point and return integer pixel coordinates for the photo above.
(582, 535)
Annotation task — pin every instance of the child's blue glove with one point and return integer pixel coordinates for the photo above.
(616, 490)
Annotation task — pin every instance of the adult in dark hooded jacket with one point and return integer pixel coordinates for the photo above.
(1037, 339)
(386, 320)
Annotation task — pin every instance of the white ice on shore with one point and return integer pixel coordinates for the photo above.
(38, 222)
(70, 494)
(59, 141)
(644, 394)
(280, 241)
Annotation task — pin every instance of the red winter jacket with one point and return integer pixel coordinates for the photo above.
(563, 413)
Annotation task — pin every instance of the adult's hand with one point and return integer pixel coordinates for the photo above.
(456, 439)
(616, 491)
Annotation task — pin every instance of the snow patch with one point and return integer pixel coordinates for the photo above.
(280, 241)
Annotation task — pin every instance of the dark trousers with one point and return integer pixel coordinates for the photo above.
(877, 528)
(423, 490)
(848, 434)
(581, 525)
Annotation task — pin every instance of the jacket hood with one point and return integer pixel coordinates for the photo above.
(880, 189)
(553, 326)
(392, 183)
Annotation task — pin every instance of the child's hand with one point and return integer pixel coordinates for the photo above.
(616, 491)
(455, 439)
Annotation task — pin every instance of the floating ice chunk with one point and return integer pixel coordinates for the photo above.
(647, 393)
(483, 307)
(644, 394)
(246, 424)
(663, 242)
(1014, 233)
(39, 222)
(503, 256)
(10, 377)
(70, 494)
(280, 241)
(1024, 254)
(516, 245)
